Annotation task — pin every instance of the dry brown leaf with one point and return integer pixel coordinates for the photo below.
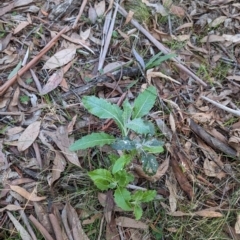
(24, 85)
(28, 136)
(129, 17)
(100, 8)
(6, 9)
(211, 169)
(102, 200)
(185, 25)
(92, 219)
(213, 38)
(202, 117)
(172, 123)
(234, 77)
(232, 38)
(24, 193)
(61, 139)
(60, 58)
(237, 225)
(4, 41)
(113, 66)
(151, 74)
(198, 49)
(172, 187)
(112, 232)
(179, 214)
(218, 21)
(53, 82)
(3, 160)
(71, 124)
(59, 165)
(20, 26)
(202, 213)
(42, 214)
(219, 2)
(130, 223)
(20, 3)
(75, 224)
(11, 207)
(85, 34)
(21, 230)
(176, 10)
(92, 15)
(15, 98)
(135, 234)
(125, 36)
(208, 214)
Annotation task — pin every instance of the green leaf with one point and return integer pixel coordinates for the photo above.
(150, 164)
(144, 102)
(137, 211)
(102, 178)
(157, 60)
(103, 109)
(92, 140)
(120, 163)
(138, 125)
(153, 146)
(153, 149)
(127, 111)
(123, 144)
(148, 195)
(15, 70)
(123, 178)
(144, 196)
(122, 197)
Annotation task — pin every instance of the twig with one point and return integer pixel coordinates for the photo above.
(11, 81)
(80, 13)
(211, 141)
(234, 112)
(26, 222)
(126, 71)
(161, 47)
(40, 227)
(108, 39)
(56, 227)
(101, 228)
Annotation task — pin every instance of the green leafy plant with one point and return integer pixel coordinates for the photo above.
(157, 59)
(24, 99)
(129, 119)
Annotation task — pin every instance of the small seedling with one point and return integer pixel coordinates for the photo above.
(143, 147)
(24, 99)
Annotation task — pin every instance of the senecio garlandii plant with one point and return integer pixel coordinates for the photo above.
(144, 147)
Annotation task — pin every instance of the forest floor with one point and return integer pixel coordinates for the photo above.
(120, 121)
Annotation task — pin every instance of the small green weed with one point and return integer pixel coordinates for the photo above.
(144, 147)
(24, 99)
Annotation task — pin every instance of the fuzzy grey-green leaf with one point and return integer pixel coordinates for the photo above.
(92, 140)
(139, 126)
(103, 109)
(144, 102)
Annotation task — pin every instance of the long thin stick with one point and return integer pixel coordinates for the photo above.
(11, 81)
(161, 47)
(80, 13)
(230, 110)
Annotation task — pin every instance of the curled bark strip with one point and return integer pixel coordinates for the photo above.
(11, 81)
(213, 142)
